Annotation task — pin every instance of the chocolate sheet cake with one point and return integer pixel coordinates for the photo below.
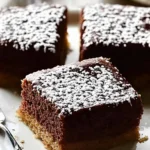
(82, 106)
(121, 33)
(32, 38)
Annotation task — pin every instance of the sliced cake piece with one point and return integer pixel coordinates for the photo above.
(32, 38)
(121, 33)
(82, 106)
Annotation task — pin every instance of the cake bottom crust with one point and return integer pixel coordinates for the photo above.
(103, 143)
(39, 131)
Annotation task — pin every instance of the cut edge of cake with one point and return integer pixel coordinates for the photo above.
(104, 143)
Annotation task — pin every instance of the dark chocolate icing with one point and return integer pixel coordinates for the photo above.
(74, 87)
(33, 26)
(115, 25)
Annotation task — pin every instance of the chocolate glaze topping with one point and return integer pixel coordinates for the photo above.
(78, 86)
(116, 25)
(32, 26)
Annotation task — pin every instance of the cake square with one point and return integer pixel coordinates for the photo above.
(32, 37)
(86, 105)
(120, 33)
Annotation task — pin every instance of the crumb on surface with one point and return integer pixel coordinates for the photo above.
(16, 137)
(36, 136)
(22, 141)
(143, 139)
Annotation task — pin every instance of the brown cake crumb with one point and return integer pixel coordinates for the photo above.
(22, 141)
(143, 139)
